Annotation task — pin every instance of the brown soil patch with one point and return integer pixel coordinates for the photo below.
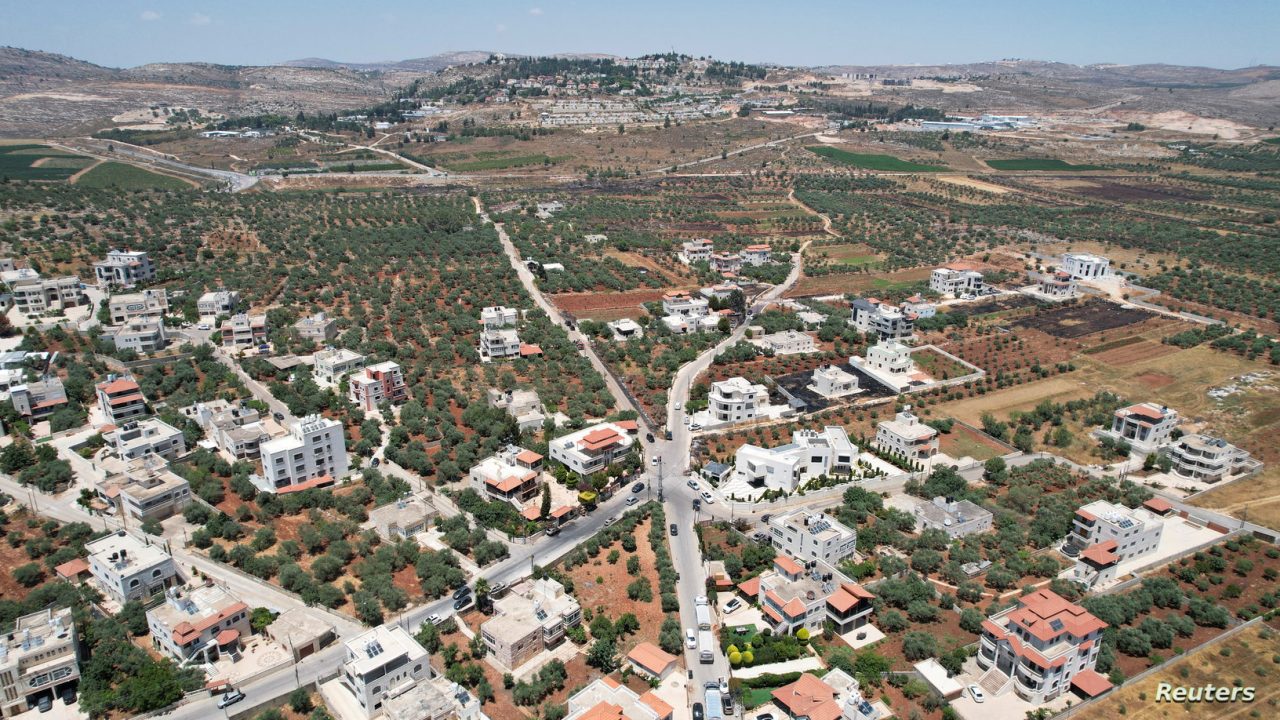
(580, 302)
(610, 593)
(1155, 380)
(1135, 352)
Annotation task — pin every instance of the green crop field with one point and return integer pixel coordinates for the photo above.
(17, 162)
(128, 177)
(1038, 164)
(887, 163)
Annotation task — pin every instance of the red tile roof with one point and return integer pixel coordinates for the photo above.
(1090, 683)
(125, 400)
(795, 609)
(528, 457)
(533, 512)
(1103, 553)
(508, 484)
(808, 697)
(1158, 505)
(604, 711)
(656, 704)
(315, 482)
(600, 438)
(226, 637)
(529, 350)
(184, 632)
(787, 565)
(1039, 609)
(119, 385)
(750, 588)
(1145, 411)
(651, 658)
(847, 596)
(561, 511)
(628, 425)
(72, 568)
(1086, 515)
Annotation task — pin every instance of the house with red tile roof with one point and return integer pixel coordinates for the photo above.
(652, 661)
(1144, 426)
(606, 699)
(1038, 647)
(203, 622)
(592, 449)
(513, 474)
(120, 399)
(1104, 535)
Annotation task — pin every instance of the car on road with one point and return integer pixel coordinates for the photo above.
(638, 487)
(706, 496)
(697, 503)
(461, 592)
(376, 462)
(764, 716)
(700, 600)
(765, 518)
(732, 605)
(553, 531)
(434, 619)
(724, 686)
(461, 603)
(976, 693)
(668, 434)
(698, 714)
(633, 500)
(610, 520)
(690, 639)
(203, 326)
(231, 697)
(687, 419)
(695, 426)
(693, 484)
(648, 437)
(675, 530)
(279, 416)
(655, 461)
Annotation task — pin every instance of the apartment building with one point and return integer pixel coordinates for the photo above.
(243, 330)
(436, 699)
(145, 438)
(756, 255)
(907, 436)
(332, 364)
(1086, 266)
(694, 251)
(318, 328)
(787, 342)
(955, 280)
(809, 536)
(592, 449)
(145, 304)
(1058, 284)
(810, 454)
(917, 305)
(129, 569)
(146, 490)
(218, 302)
(957, 519)
(39, 658)
(830, 381)
(1104, 534)
(499, 343)
(1041, 648)
(38, 400)
(199, 624)
(376, 384)
(684, 305)
(1144, 426)
(33, 295)
(607, 699)
(523, 405)
(141, 335)
(237, 430)
(1208, 459)
(726, 263)
(314, 447)
(120, 398)
(736, 400)
(512, 474)
(402, 519)
(498, 316)
(124, 268)
(885, 321)
(531, 616)
(382, 663)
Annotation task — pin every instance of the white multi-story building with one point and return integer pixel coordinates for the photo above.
(523, 405)
(499, 343)
(917, 305)
(955, 281)
(33, 295)
(314, 447)
(532, 616)
(141, 335)
(957, 519)
(242, 330)
(736, 400)
(129, 569)
(495, 317)
(319, 327)
(40, 399)
(218, 302)
(1135, 532)
(236, 430)
(376, 384)
(199, 623)
(810, 454)
(39, 658)
(511, 474)
(907, 436)
(331, 365)
(1058, 284)
(120, 399)
(787, 342)
(382, 663)
(1086, 266)
(124, 268)
(145, 304)
(592, 449)
(144, 438)
(692, 251)
(1144, 426)
(756, 254)
(684, 305)
(890, 363)
(1041, 648)
(886, 321)
(725, 263)
(808, 536)
(830, 381)
(1208, 459)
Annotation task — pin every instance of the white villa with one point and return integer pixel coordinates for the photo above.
(625, 329)
(692, 251)
(1086, 266)
(787, 467)
(907, 436)
(592, 449)
(736, 400)
(955, 280)
(1209, 459)
(787, 342)
(891, 364)
(1104, 535)
(1144, 426)
(497, 316)
(888, 322)
(830, 381)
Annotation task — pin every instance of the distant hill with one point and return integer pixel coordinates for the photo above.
(431, 63)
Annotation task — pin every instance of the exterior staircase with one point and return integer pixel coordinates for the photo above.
(994, 682)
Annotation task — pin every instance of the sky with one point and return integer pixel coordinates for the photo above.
(125, 33)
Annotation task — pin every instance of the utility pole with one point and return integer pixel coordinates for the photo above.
(659, 478)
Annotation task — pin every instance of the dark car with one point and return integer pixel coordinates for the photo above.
(668, 434)
(461, 592)
(698, 714)
(278, 416)
(376, 462)
(765, 518)
(45, 704)
(697, 503)
(649, 437)
(675, 530)
(638, 487)
(461, 602)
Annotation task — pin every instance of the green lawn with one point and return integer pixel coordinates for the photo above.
(128, 177)
(887, 163)
(755, 697)
(16, 163)
(1038, 164)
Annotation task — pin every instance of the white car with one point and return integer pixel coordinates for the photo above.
(976, 693)
(700, 600)
(434, 619)
(690, 639)
(706, 498)
(655, 461)
(695, 427)
(687, 419)
(732, 605)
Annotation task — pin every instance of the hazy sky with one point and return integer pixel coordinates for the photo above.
(121, 33)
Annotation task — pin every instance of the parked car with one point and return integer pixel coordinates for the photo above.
(698, 714)
(279, 416)
(976, 693)
(434, 619)
(706, 496)
(760, 537)
(610, 520)
(461, 603)
(648, 436)
(724, 684)
(668, 434)
(726, 700)
(695, 427)
(633, 500)
(675, 530)
(693, 484)
(732, 605)
(655, 461)
(765, 518)
(376, 462)
(461, 592)
(553, 531)
(700, 600)
(697, 504)
(230, 697)
(45, 704)
(687, 419)
(638, 487)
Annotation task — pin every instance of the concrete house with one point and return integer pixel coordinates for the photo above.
(787, 342)
(499, 343)
(39, 658)
(1086, 266)
(886, 321)
(218, 302)
(242, 330)
(124, 268)
(1104, 534)
(145, 304)
(120, 399)
(907, 436)
(693, 251)
(684, 305)
(625, 329)
(955, 280)
(146, 490)
(496, 317)
(891, 364)
(382, 663)
(957, 519)
(1058, 284)
(141, 335)
(736, 400)
(830, 381)
(807, 536)
(315, 447)
(402, 519)
(332, 364)
(319, 327)
(523, 405)
(376, 384)
(809, 455)
(34, 295)
(513, 474)
(1144, 426)
(127, 569)
(145, 438)
(1208, 459)
(756, 255)
(592, 449)
(199, 624)
(38, 400)
(530, 617)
